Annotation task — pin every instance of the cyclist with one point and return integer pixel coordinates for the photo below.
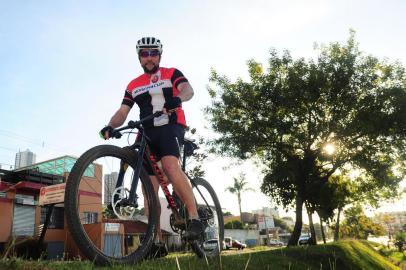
(161, 89)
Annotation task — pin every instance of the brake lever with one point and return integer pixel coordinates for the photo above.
(116, 134)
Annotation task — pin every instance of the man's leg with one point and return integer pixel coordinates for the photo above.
(180, 184)
(183, 189)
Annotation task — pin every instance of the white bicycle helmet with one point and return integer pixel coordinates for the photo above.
(149, 43)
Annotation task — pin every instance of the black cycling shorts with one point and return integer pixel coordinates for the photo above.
(165, 140)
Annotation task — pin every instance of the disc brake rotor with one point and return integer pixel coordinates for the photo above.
(120, 205)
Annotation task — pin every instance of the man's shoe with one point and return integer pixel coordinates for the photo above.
(194, 230)
(158, 250)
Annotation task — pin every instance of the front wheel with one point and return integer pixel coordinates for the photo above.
(107, 227)
(211, 215)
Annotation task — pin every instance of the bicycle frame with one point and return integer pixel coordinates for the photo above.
(145, 157)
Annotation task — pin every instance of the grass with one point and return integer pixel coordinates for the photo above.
(343, 255)
(398, 258)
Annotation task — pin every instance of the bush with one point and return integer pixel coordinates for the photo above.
(235, 224)
(27, 248)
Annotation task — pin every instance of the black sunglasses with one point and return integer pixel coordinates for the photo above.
(152, 53)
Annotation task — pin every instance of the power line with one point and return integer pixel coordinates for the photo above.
(19, 137)
(31, 141)
(9, 149)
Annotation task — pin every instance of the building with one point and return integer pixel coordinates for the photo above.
(399, 219)
(23, 218)
(267, 211)
(247, 218)
(24, 159)
(110, 181)
(265, 222)
(395, 221)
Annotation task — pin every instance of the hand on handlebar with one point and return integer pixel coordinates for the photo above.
(109, 132)
(105, 133)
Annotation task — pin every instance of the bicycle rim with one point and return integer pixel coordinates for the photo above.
(106, 228)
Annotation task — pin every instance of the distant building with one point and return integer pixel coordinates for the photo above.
(266, 211)
(24, 159)
(110, 181)
(23, 218)
(265, 222)
(398, 220)
(247, 218)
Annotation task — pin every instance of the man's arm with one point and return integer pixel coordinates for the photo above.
(186, 91)
(120, 116)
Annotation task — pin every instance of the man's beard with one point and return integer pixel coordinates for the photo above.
(152, 71)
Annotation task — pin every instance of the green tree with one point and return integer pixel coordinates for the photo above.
(293, 114)
(227, 214)
(357, 225)
(194, 168)
(239, 186)
(400, 241)
(108, 212)
(282, 224)
(234, 224)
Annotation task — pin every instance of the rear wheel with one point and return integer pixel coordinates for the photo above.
(210, 214)
(106, 226)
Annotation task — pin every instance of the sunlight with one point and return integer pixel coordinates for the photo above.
(329, 148)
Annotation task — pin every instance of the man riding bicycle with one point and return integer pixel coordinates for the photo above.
(161, 89)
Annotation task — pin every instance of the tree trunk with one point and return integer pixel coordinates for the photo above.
(294, 238)
(239, 205)
(322, 230)
(337, 228)
(313, 239)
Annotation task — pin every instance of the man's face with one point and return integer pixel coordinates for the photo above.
(149, 59)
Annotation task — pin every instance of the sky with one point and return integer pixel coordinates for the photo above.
(65, 64)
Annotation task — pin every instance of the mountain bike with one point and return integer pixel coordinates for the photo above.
(120, 228)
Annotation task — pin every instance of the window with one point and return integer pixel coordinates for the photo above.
(57, 217)
(89, 218)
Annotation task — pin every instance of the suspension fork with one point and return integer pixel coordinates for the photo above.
(134, 183)
(123, 167)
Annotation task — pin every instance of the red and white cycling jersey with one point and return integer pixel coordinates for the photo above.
(150, 92)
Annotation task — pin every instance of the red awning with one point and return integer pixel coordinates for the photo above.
(4, 185)
(27, 186)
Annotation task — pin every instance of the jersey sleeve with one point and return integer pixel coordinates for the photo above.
(128, 99)
(177, 78)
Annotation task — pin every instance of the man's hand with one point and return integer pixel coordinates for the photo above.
(105, 132)
(173, 103)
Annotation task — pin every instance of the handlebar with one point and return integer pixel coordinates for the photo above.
(116, 133)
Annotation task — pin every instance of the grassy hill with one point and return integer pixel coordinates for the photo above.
(343, 255)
